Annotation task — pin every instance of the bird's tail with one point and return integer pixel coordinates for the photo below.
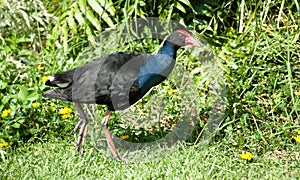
(61, 94)
(62, 80)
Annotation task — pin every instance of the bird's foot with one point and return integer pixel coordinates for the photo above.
(83, 124)
(81, 135)
(119, 158)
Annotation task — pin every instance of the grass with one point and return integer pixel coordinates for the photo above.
(57, 159)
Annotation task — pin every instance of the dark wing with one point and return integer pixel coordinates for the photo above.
(96, 81)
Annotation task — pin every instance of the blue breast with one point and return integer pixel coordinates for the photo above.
(157, 67)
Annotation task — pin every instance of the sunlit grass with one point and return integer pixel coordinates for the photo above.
(58, 159)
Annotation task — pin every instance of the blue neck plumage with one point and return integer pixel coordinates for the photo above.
(168, 49)
(157, 67)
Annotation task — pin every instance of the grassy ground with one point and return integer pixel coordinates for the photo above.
(56, 159)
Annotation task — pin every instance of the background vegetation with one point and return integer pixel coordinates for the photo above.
(256, 42)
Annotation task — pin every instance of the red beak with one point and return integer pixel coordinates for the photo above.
(190, 40)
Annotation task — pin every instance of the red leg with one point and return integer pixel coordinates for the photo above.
(109, 139)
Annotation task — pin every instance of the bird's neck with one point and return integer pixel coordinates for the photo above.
(157, 67)
(169, 49)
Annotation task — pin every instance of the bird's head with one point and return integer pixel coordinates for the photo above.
(182, 38)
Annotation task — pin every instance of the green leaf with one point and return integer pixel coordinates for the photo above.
(25, 16)
(95, 6)
(3, 85)
(5, 99)
(25, 52)
(108, 6)
(23, 94)
(66, 38)
(187, 2)
(100, 11)
(72, 24)
(23, 39)
(33, 96)
(79, 18)
(40, 20)
(16, 125)
(89, 15)
(180, 7)
(81, 21)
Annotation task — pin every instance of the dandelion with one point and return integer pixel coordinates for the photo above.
(299, 93)
(172, 91)
(45, 79)
(6, 112)
(3, 144)
(65, 110)
(246, 156)
(36, 104)
(124, 137)
(299, 132)
(41, 67)
(65, 116)
(297, 139)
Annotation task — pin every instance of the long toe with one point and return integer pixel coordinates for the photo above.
(83, 124)
(82, 137)
(77, 126)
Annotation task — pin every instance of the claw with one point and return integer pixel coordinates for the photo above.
(83, 124)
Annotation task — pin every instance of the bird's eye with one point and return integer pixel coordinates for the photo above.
(180, 36)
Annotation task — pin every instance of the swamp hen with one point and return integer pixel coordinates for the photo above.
(117, 80)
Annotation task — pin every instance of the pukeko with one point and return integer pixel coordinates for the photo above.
(117, 80)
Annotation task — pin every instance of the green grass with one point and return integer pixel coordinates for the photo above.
(57, 159)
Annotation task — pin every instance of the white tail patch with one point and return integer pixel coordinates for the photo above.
(51, 78)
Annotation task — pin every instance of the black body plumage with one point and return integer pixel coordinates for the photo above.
(117, 80)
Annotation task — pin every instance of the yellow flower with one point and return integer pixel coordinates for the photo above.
(45, 79)
(6, 112)
(52, 106)
(65, 110)
(36, 104)
(3, 144)
(124, 137)
(299, 93)
(172, 91)
(246, 156)
(98, 111)
(297, 139)
(65, 116)
(41, 67)
(299, 132)
(166, 87)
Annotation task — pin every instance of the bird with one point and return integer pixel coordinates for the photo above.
(117, 80)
